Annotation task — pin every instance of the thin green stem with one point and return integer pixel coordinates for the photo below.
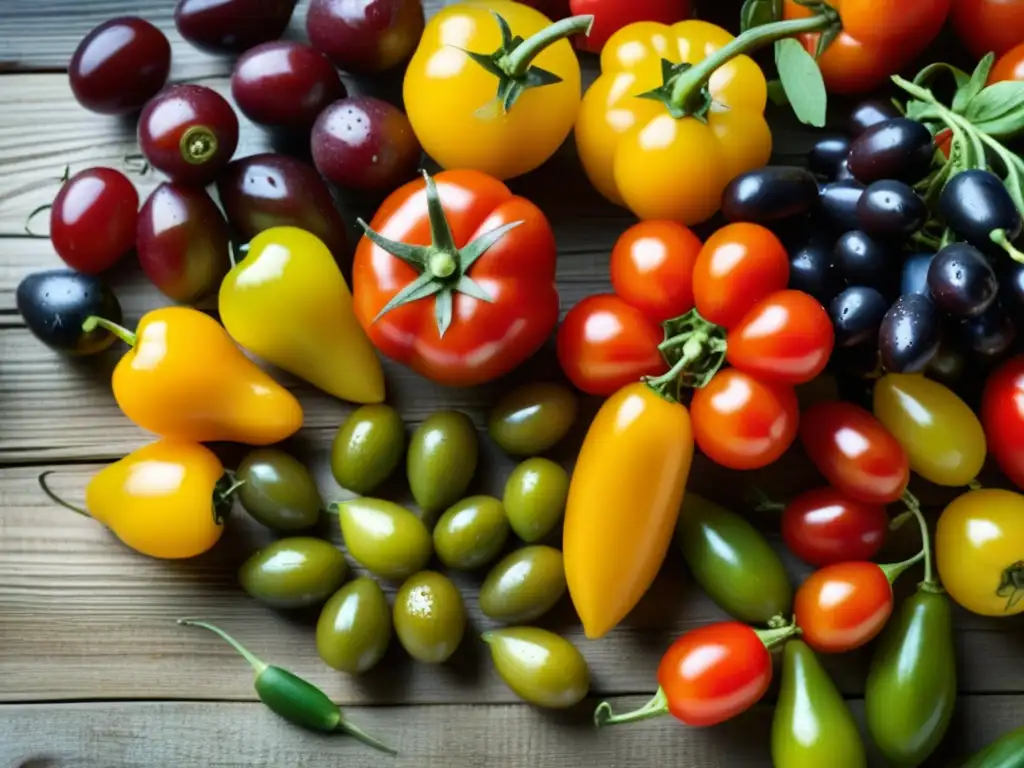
(974, 485)
(254, 662)
(93, 322)
(914, 507)
(360, 735)
(656, 707)
(777, 635)
(892, 571)
(517, 62)
(998, 236)
(54, 497)
(693, 348)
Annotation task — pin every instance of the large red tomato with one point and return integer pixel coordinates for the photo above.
(1002, 415)
(989, 25)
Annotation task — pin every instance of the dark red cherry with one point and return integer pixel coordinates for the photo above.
(232, 26)
(119, 66)
(263, 191)
(189, 132)
(284, 84)
(92, 221)
(365, 143)
(365, 36)
(182, 242)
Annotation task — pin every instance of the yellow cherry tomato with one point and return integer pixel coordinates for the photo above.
(452, 100)
(979, 551)
(940, 433)
(624, 500)
(658, 165)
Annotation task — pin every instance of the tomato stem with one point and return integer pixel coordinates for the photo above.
(892, 571)
(777, 635)
(92, 322)
(930, 583)
(55, 498)
(998, 236)
(518, 61)
(656, 707)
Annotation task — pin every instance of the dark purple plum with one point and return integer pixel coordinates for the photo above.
(366, 36)
(232, 26)
(899, 149)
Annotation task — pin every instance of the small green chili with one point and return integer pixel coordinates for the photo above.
(293, 698)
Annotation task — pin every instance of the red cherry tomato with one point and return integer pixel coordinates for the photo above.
(652, 268)
(843, 606)
(612, 15)
(714, 673)
(988, 25)
(825, 526)
(785, 338)
(738, 266)
(741, 422)
(1010, 66)
(1002, 415)
(855, 452)
(93, 218)
(604, 344)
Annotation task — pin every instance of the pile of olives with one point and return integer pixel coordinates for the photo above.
(392, 543)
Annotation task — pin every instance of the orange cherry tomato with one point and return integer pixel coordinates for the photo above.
(1010, 65)
(652, 268)
(843, 606)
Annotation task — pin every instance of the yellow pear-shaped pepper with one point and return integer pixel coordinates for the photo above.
(288, 302)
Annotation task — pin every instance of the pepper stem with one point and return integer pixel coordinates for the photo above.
(656, 707)
(998, 236)
(257, 665)
(54, 497)
(777, 635)
(92, 322)
(892, 571)
(930, 583)
(360, 735)
(517, 62)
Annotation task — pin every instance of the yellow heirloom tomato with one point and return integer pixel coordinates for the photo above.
(494, 86)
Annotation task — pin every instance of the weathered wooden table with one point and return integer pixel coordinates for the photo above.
(94, 671)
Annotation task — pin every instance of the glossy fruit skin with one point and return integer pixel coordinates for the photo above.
(652, 268)
(867, 114)
(974, 203)
(890, 210)
(441, 460)
(119, 66)
(284, 84)
(811, 271)
(961, 281)
(715, 672)
(855, 452)
(914, 275)
(910, 334)
(534, 498)
(540, 667)
(982, 573)
(55, 303)
(1002, 414)
(367, 448)
(532, 418)
(989, 334)
(232, 26)
(429, 617)
(812, 725)
(732, 562)
(364, 143)
(785, 338)
(857, 314)
(823, 526)
(843, 606)
(524, 585)
(93, 219)
(354, 628)
(471, 533)
(838, 204)
(742, 422)
(988, 25)
(189, 132)
(270, 190)
(293, 573)
(911, 687)
(827, 154)
(1009, 66)
(388, 540)
(366, 37)
(863, 260)
(278, 490)
(610, 17)
(603, 344)
(1004, 752)
(739, 265)
(182, 242)
(898, 149)
(770, 194)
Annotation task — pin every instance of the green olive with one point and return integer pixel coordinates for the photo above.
(441, 462)
(532, 418)
(539, 666)
(524, 585)
(430, 617)
(471, 533)
(367, 448)
(294, 573)
(534, 498)
(388, 540)
(354, 627)
(278, 491)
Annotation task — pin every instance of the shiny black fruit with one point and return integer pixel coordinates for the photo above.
(910, 334)
(869, 113)
(54, 305)
(827, 154)
(975, 203)
(838, 204)
(890, 210)
(915, 274)
(843, 170)
(895, 149)
(856, 315)
(989, 334)
(769, 194)
(947, 364)
(862, 260)
(811, 271)
(1011, 290)
(961, 281)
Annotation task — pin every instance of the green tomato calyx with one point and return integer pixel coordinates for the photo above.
(694, 349)
(1011, 584)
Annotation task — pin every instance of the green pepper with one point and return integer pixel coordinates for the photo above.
(288, 695)
(733, 563)
(1005, 752)
(911, 686)
(812, 727)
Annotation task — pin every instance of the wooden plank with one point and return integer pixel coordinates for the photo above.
(159, 734)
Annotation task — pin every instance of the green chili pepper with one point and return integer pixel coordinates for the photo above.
(1005, 752)
(293, 698)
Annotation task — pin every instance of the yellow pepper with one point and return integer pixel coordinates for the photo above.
(288, 303)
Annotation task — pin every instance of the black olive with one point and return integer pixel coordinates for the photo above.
(961, 281)
(947, 364)
(890, 210)
(915, 274)
(843, 170)
(811, 271)
(54, 305)
(869, 113)
(827, 154)
(910, 334)
(838, 204)
(975, 203)
(856, 315)
(989, 334)
(770, 194)
(896, 149)
(862, 260)
(1011, 290)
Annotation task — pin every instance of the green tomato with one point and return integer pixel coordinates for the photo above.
(442, 459)
(367, 448)
(524, 586)
(354, 628)
(278, 491)
(535, 496)
(388, 540)
(294, 573)
(539, 666)
(532, 418)
(429, 617)
(471, 533)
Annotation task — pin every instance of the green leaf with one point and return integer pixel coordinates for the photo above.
(802, 82)
(966, 93)
(756, 13)
(999, 109)
(928, 73)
